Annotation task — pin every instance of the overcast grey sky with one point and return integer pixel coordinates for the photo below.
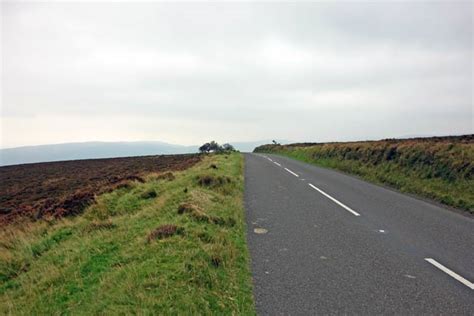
(190, 72)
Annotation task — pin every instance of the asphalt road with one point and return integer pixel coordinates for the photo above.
(322, 242)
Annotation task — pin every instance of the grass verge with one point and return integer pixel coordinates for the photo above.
(443, 172)
(174, 244)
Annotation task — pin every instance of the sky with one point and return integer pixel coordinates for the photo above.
(187, 73)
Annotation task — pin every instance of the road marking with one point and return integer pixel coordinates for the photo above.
(291, 172)
(334, 200)
(270, 159)
(276, 163)
(451, 273)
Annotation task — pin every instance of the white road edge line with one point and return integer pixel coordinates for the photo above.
(451, 273)
(347, 208)
(276, 163)
(291, 172)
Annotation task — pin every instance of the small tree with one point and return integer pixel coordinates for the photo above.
(275, 142)
(205, 148)
(214, 146)
(228, 147)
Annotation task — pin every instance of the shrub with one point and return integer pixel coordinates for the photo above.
(212, 181)
(149, 194)
(165, 231)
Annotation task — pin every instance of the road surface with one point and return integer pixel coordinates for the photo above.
(322, 242)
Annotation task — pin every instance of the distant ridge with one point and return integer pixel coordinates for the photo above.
(89, 150)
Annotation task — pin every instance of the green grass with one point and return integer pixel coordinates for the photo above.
(439, 171)
(103, 262)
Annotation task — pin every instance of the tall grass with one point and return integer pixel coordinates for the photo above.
(112, 260)
(442, 170)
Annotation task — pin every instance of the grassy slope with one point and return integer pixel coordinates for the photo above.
(443, 171)
(101, 262)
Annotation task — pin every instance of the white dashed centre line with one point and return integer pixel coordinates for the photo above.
(276, 163)
(347, 208)
(451, 273)
(291, 172)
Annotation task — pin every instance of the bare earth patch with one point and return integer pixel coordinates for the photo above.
(64, 188)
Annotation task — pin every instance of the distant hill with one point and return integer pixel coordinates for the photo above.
(88, 150)
(73, 151)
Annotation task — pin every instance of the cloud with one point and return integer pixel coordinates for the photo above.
(235, 71)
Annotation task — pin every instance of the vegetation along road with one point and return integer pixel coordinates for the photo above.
(169, 234)
(155, 242)
(324, 242)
